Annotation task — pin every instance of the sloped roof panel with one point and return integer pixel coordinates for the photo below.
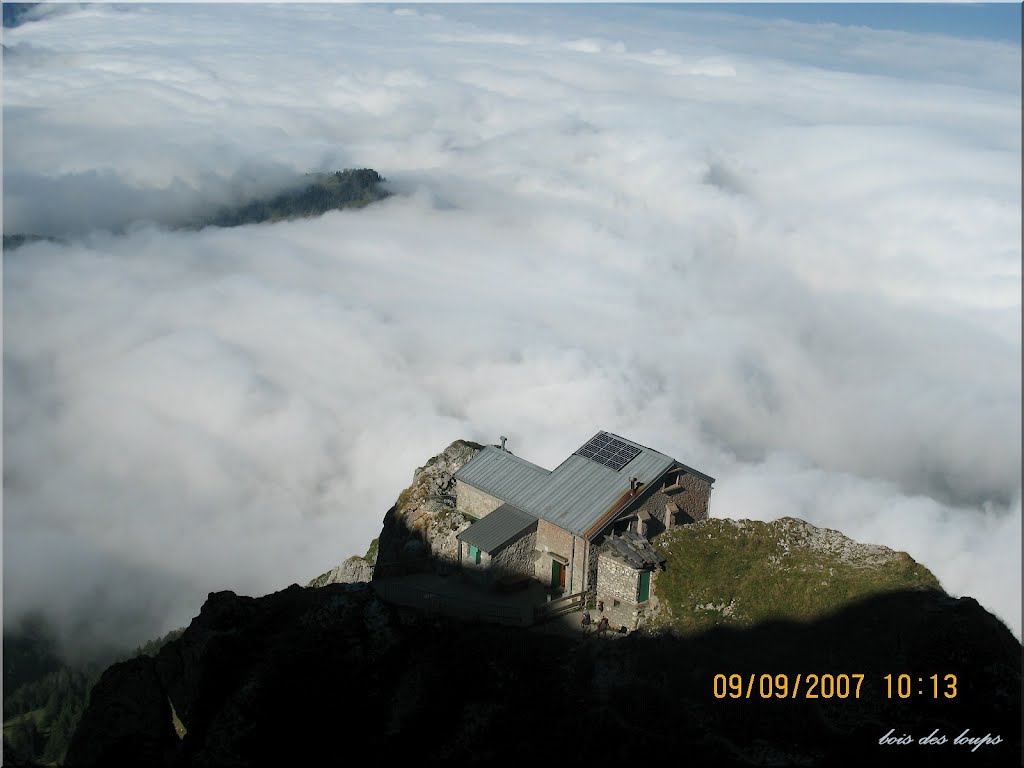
(581, 491)
(576, 495)
(634, 549)
(503, 475)
(500, 528)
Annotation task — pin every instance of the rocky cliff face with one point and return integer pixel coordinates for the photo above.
(423, 522)
(354, 570)
(314, 676)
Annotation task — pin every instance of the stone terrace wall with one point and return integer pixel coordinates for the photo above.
(592, 565)
(616, 580)
(551, 538)
(516, 558)
(473, 501)
(654, 505)
(579, 569)
(694, 499)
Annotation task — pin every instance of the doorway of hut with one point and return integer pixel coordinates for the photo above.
(557, 576)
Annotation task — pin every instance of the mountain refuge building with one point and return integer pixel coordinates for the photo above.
(583, 527)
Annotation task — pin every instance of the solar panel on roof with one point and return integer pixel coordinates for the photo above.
(609, 452)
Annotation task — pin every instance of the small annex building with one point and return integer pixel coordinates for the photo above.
(584, 526)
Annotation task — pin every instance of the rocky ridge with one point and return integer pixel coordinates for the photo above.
(423, 521)
(355, 569)
(827, 541)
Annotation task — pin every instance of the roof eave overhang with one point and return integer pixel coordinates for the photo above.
(618, 507)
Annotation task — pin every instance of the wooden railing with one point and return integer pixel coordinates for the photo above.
(559, 606)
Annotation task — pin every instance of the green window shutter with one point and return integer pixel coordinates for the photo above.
(474, 555)
(645, 586)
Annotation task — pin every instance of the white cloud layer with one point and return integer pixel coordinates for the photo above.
(788, 255)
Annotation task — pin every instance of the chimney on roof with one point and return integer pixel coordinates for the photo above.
(503, 439)
(634, 483)
(670, 513)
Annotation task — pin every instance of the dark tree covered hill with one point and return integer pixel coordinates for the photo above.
(44, 696)
(16, 241)
(321, 192)
(307, 196)
(15, 14)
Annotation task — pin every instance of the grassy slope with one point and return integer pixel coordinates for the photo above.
(745, 572)
(37, 716)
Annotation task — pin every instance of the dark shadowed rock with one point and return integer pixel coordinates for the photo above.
(128, 721)
(311, 676)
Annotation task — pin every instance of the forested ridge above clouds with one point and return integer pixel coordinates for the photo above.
(319, 193)
(307, 196)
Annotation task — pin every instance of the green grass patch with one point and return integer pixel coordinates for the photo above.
(403, 499)
(719, 572)
(37, 716)
(371, 552)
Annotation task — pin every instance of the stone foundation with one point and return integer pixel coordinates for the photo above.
(516, 558)
(691, 497)
(616, 580)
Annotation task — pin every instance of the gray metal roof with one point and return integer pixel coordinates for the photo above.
(503, 475)
(498, 529)
(575, 496)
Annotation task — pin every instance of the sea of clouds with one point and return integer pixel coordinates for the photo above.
(786, 254)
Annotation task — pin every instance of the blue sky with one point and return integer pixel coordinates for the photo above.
(993, 21)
